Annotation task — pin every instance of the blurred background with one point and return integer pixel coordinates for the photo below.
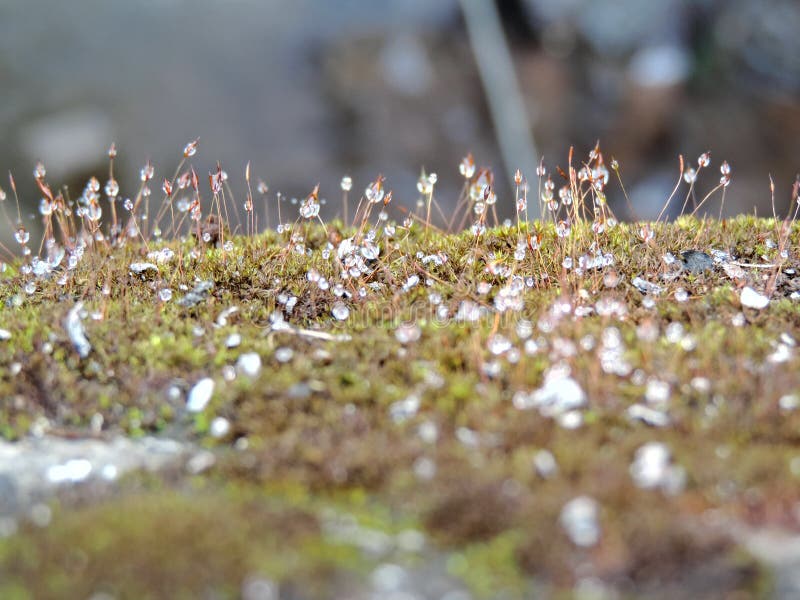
(311, 90)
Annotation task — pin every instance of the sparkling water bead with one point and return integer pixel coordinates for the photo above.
(22, 236)
(340, 311)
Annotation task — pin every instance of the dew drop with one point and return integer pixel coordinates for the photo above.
(190, 149)
(545, 464)
(407, 333)
(219, 427)
(22, 236)
(284, 355)
(467, 167)
(72, 471)
(200, 395)
(340, 311)
(498, 344)
(579, 519)
(752, 299)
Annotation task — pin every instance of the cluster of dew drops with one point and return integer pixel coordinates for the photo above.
(355, 259)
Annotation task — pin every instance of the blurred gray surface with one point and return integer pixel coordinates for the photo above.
(309, 90)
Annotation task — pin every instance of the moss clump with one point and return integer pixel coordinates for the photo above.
(170, 544)
(424, 424)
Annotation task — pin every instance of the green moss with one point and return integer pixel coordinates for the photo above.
(320, 427)
(491, 569)
(153, 544)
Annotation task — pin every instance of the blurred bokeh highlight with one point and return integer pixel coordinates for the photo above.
(311, 90)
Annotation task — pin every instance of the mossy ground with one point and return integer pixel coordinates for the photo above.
(320, 435)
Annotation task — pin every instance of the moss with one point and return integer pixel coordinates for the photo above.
(491, 569)
(320, 428)
(176, 544)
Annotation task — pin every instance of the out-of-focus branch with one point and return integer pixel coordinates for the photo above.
(500, 84)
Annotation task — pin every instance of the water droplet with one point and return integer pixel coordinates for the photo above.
(467, 166)
(579, 519)
(228, 373)
(428, 432)
(646, 234)
(200, 395)
(402, 410)
(374, 192)
(249, 363)
(646, 287)
(789, 402)
(309, 208)
(284, 355)
(545, 464)
(782, 353)
(411, 282)
(424, 185)
(407, 333)
(72, 471)
(256, 587)
(468, 437)
(340, 311)
(657, 392)
(220, 426)
(571, 419)
(498, 344)
(22, 236)
(112, 188)
(74, 327)
(200, 462)
(752, 299)
(648, 415)
(190, 149)
(370, 250)
(388, 579)
(147, 171)
(45, 207)
(425, 468)
(560, 393)
(143, 269)
(650, 465)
